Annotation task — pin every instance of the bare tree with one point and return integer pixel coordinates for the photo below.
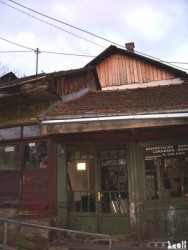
(4, 69)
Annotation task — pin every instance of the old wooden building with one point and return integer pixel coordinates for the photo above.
(27, 160)
(103, 148)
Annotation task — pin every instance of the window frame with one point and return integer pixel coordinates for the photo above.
(20, 141)
(157, 144)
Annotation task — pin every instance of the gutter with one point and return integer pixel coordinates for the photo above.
(117, 118)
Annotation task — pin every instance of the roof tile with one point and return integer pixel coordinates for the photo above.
(171, 98)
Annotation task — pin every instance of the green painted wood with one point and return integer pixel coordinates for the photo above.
(61, 185)
(115, 224)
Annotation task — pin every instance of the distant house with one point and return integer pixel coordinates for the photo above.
(104, 148)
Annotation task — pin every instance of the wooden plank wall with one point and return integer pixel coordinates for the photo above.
(119, 70)
(66, 85)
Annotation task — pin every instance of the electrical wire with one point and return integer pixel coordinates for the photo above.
(37, 51)
(66, 54)
(22, 46)
(16, 51)
(90, 33)
(72, 26)
(53, 25)
(72, 54)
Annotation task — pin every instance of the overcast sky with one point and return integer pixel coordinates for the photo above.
(159, 28)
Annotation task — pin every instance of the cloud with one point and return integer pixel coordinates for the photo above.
(158, 28)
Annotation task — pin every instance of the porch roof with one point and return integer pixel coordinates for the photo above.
(157, 106)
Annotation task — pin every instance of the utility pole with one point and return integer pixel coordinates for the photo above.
(37, 55)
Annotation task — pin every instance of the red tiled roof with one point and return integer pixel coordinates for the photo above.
(160, 99)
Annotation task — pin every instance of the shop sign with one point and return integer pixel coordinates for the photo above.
(170, 151)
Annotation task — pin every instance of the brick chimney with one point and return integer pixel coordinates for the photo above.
(130, 47)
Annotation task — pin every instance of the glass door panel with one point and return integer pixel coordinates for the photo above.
(114, 181)
(81, 181)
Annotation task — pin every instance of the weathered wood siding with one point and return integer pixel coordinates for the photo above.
(119, 70)
(66, 85)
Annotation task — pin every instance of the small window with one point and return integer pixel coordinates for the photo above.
(10, 133)
(31, 131)
(9, 157)
(35, 155)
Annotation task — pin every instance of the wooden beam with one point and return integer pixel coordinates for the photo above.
(77, 127)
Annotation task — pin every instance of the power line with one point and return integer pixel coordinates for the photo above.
(66, 54)
(90, 33)
(37, 50)
(15, 51)
(48, 52)
(179, 62)
(72, 26)
(22, 46)
(53, 25)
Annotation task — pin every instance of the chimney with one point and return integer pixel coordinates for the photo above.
(130, 47)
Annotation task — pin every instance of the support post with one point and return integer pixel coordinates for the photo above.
(5, 235)
(37, 56)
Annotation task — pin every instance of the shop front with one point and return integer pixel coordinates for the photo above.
(97, 182)
(25, 172)
(127, 183)
(166, 189)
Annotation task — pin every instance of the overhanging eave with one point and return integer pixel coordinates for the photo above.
(107, 125)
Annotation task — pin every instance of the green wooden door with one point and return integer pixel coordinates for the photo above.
(98, 190)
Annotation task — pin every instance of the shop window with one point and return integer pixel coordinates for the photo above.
(31, 131)
(35, 155)
(166, 171)
(10, 133)
(9, 157)
(81, 181)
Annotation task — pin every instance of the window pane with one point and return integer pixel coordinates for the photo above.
(81, 181)
(114, 181)
(166, 170)
(30, 131)
(9, 157)
(10, 133)
(35, 155)
(151, 180)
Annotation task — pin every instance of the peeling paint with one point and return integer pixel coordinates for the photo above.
(132, 213)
